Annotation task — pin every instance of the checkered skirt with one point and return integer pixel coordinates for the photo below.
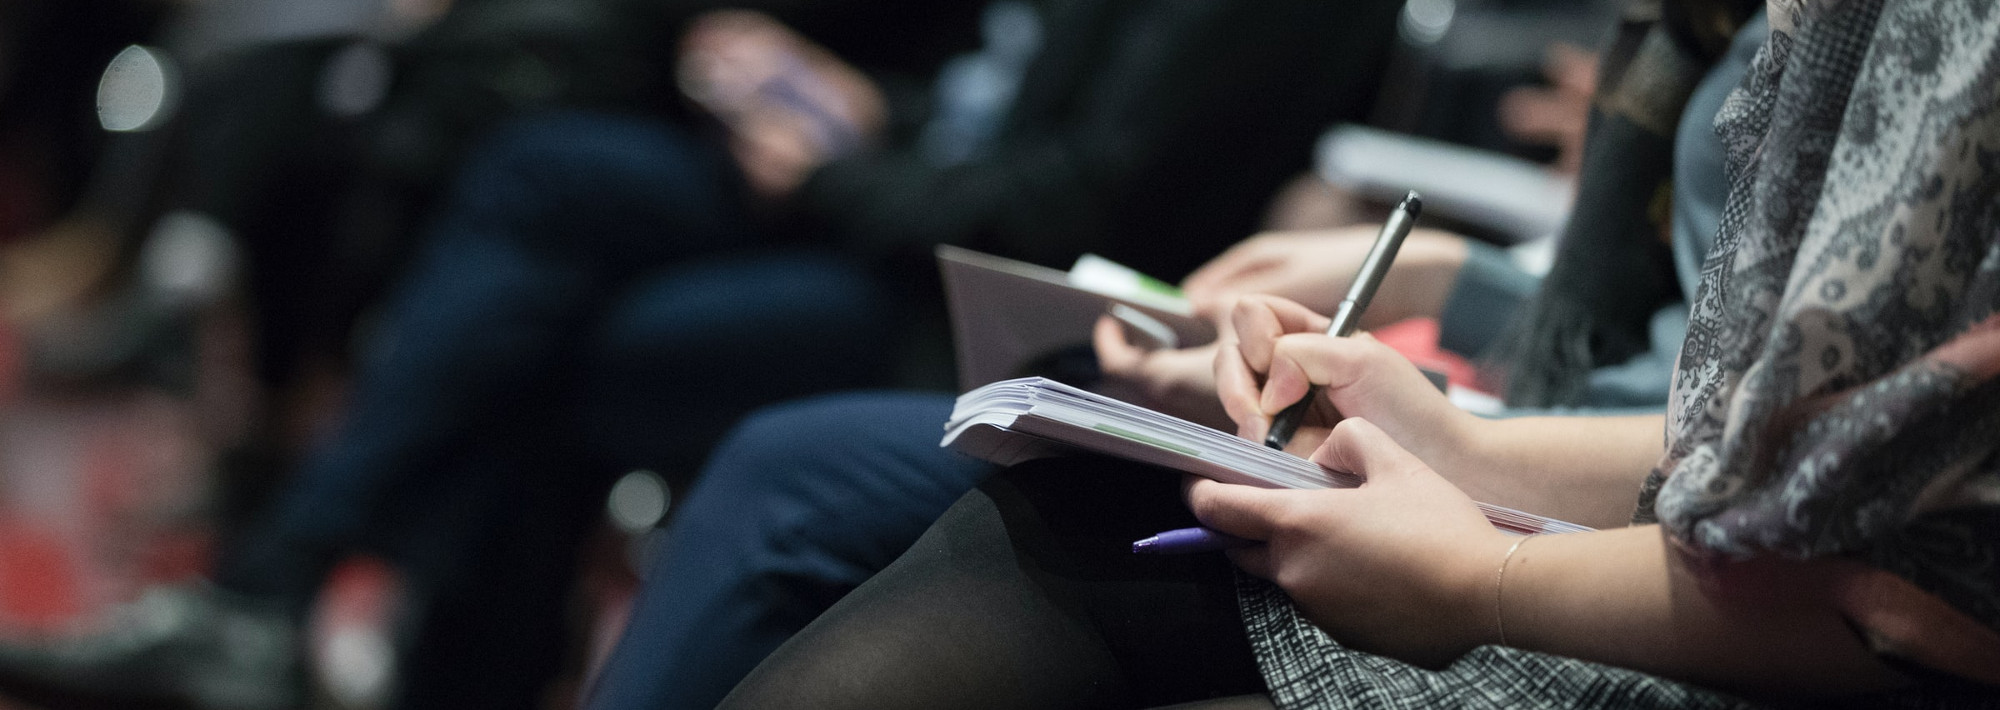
(1306, 669)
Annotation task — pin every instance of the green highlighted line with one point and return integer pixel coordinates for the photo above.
(1143, 439)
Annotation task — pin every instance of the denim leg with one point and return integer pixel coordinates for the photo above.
(679, 357)
(549, 219)
(691, 349)
(797, 507)
(489, 575)
(626, 192)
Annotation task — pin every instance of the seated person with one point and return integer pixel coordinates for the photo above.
(502, 386)
(807, 500)
(1810, 527)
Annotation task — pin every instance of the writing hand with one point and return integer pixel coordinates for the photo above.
(1280, 348)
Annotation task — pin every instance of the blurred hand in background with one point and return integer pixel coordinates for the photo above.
(1557, 114)
(789, 104)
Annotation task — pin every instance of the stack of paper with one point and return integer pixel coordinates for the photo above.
(1011, 421)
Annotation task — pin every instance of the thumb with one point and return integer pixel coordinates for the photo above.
(1358, 446)
(1114, 353)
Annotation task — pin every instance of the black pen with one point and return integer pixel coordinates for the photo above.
(1348, 315)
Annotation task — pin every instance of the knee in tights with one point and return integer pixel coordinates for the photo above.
(1025, 595)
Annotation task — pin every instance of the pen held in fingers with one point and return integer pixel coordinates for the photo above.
(1348, 315)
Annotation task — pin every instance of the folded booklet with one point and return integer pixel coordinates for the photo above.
(1011, 318)
(1011, 421)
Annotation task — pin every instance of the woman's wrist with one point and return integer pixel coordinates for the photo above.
(1500, 589)
(1457, 448)
(1584, 470)
(1478, 592)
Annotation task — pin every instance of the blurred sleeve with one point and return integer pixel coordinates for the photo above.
(1152, 132)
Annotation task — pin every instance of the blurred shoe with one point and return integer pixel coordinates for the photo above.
(176, 647)
(135, 330)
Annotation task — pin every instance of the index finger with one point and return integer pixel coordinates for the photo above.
(1247, 512)
(1241, 394)
(1261, 320)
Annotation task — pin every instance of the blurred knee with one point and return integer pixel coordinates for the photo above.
(785, 441)
(579, 175)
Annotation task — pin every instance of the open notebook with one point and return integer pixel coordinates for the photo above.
(1017, 420)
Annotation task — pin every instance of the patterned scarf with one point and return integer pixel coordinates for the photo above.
(1613, 268)
(1838, 394)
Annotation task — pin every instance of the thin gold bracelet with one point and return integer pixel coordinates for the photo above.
(1500, 588)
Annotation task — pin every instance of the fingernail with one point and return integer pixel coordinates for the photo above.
(1267, 407)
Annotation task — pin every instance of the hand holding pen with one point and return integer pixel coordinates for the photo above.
(1285, 424)
(1348, 315)
(1266, 368)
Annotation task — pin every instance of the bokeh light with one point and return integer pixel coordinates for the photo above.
(1424, 22)
(638, 501)
(137, 91)
(355, 80)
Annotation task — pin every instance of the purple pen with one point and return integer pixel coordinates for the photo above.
(1187, 540)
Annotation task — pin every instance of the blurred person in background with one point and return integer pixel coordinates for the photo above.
(311, 157)
(576, 247)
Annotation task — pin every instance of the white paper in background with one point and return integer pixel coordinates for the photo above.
(1007, 313)
(1520, 198)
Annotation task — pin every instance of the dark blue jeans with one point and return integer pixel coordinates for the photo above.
(800, 505)
(591, 299)
(490, 561)
(554, 220)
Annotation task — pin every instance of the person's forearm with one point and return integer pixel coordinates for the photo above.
(1024, 204)
(1626, 598)
(1419, 281)
(1585, 470)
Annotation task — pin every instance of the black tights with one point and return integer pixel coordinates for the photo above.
(1026, 595)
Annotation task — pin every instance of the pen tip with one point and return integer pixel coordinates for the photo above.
(1414, 202)
(1144, 546)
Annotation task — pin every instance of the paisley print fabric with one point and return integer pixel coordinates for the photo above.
(1836, 393)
